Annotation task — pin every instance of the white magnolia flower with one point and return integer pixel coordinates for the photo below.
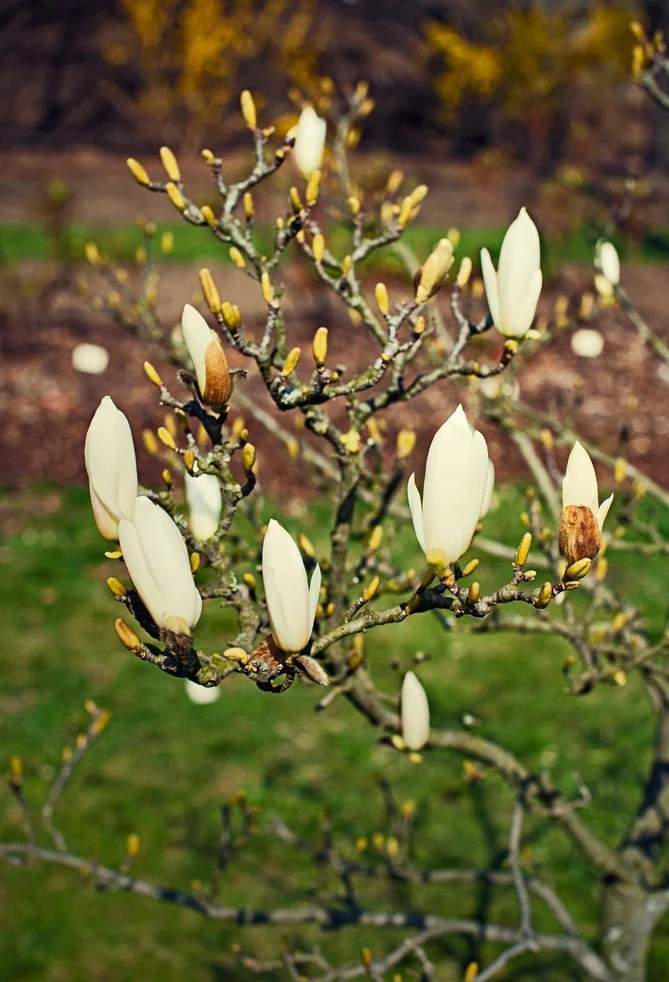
(203, 494)
(202, 695)
(414, 713)
(582, 516)
(112, 468)
(91, 359)
(513, 290)
(291, 601)
(608, 262)
(456, 492)
(587, 343)
(157, 560)
(309, 141)
(579, 486)
(209, 360)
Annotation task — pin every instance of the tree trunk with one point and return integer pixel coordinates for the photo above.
(629, 918)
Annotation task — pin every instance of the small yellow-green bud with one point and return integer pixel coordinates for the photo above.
(474, 594)
(132, 845)
(169, 162)
(175, 196)
(291, 361)
(249, 210)
(381, 294)
(435, 270)
(166, 437)
(138, 172)
(116, 587)
(195, 561)
(167, 478)
(464, 272)
(189, 460)
(406, 441)
(208, 157)
(250, 581)
(248, 457)
(248, 109)
(127, 636)
(313, 187)
(371, 589)
(152, 374)
(354, 205)
(543, 596)
(320, 346)
(295, 200)
(318, 247)
(523, 550)
(266, 287)
(209, 216)
(577, 570)
(237, 257)
(375, 538)
(149, 441)
(366, 956)
(166, 243)
(210, 291)
(92, 254)
(471, 566)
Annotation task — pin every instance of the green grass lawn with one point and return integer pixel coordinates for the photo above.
(164, 766)
(191, 244)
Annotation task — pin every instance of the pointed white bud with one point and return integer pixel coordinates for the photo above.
(513, 290)
(112, 468)
(579, 486)
(291, 601)
(309, 141)
(203, 494)
(157, 560)
(414, 713)
(202, 695)
(456, 492)
(608, 262)
(208, 357)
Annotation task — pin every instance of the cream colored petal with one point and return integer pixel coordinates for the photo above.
(197, 338)
(518, 285)
(414, 713)
(106, 522)
(202, 695)
(314, 595)
(416, 509)
(609, 262)
(489, 487)
(603, 510)
(491, 286)
(286, 589)
(203, 494)
(166, 558)
(456, 475)
(579, 486)
(309, 141)
(109, 454)
(140, 574)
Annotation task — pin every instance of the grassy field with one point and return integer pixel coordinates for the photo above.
(164, 766)
(33, 242)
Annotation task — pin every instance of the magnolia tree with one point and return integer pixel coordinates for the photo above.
(307, 619)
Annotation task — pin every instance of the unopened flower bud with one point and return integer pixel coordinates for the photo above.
(320, 346)
(381, 294)
(523, 550)
(210, 291)
(169, 162)
(291, 361)
(434, 270)
(248, 457)
(318, 247)
(138, 172)
(127, 636)
(175, 196)
(248, 109)
(237, 257)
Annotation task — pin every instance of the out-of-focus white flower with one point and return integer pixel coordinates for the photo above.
(456, 492)
(309, 141)
(414, 713)
(203, 494)
(513, 290)
(291, 601)
(582, 516)
(608, 262)
(91, 359)
(587, 343)
(157, 560)
(209, 360)
(202, 695)
(109, 454)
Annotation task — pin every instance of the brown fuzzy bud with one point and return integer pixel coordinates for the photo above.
(579, 536)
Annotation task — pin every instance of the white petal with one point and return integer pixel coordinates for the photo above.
(197, 338)
(202, 695)
(286, 589)
(518, 283)
(415, 713)
(579, 486)
(163, 571)
(603, 511)
(609, 262)
(111, 465)
(456, 475)
(203, 494)
(314, 595)
(491, 286)
(416, 509)
(91, 359)
(586, 343)
(140, 574)
(309, 141)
